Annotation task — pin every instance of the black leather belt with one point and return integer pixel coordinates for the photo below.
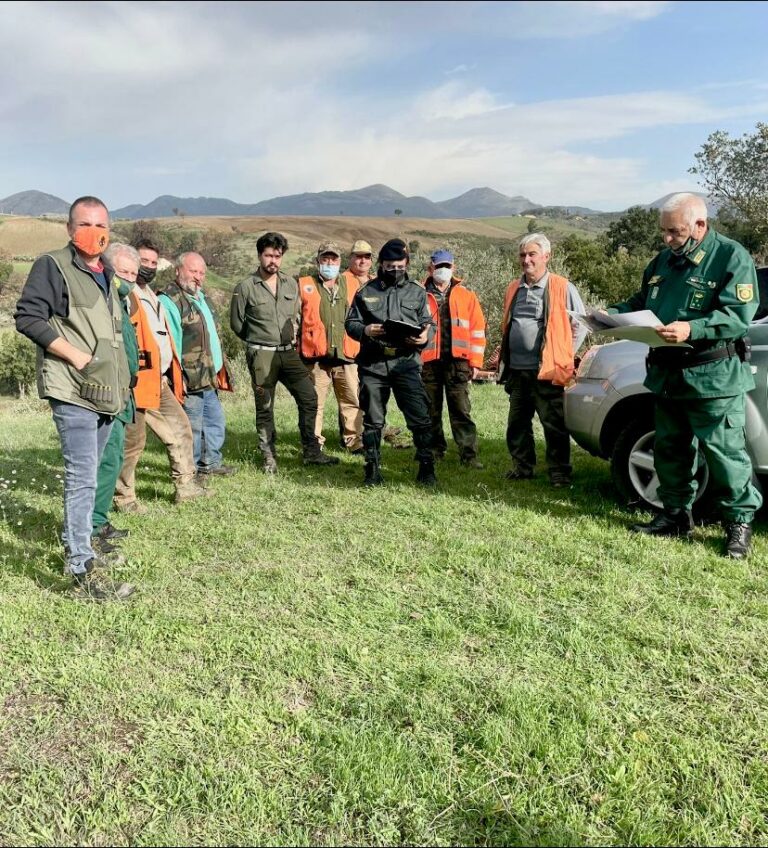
(670, 357)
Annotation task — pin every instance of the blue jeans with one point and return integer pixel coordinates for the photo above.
(206, 417)
(83, 436)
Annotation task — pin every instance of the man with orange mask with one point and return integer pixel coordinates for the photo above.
(71, 311)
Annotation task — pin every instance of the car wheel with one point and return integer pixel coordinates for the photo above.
(633, 471)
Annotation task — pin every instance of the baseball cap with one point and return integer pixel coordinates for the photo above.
(440, 256)
(361, 246)
(329, 247)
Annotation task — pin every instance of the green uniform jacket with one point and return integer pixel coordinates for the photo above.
(714, 288)
(258, 317)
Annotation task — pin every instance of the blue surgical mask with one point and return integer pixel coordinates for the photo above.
(328, 272)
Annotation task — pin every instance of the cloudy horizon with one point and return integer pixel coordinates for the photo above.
(598, 104)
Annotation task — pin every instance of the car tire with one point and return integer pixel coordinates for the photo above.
(633, 472)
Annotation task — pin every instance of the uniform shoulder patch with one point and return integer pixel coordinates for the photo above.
(745, 292)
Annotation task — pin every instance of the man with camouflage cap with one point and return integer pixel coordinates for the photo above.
(328, 352)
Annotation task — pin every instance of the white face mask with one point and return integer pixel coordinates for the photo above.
(442, 275)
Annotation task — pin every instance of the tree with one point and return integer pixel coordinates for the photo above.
(637, 232)
(6, 269)
(735, 172)
(398, 211)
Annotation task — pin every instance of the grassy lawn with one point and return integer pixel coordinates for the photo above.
(309, 662)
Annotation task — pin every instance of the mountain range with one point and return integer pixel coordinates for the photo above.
(378, 201)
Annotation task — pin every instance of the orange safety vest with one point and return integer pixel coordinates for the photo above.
(146, 392)
(467, 326)
(557, 351)
(313, 339)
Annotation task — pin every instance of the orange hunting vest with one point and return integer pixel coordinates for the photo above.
(557, 351)
(467, 327)
(313, 341)
(147, 389)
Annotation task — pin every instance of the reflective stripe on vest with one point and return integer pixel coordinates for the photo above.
(467, 327)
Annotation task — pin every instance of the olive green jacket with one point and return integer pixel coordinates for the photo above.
(258, 317)
(714, 289)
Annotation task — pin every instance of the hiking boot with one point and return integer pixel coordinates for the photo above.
(94, 587)
(426, 474)
(190, 492)
(218, 471)
(560, 481)
(519, 474)
(372, 474)
(102, 546)
(670, 522)
(473, 462)
(110, 532)
(132, 507)
(738, 537)
(269, 466)
(321, 459)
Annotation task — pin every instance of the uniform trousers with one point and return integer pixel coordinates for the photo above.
(403, 378)
(717, 425)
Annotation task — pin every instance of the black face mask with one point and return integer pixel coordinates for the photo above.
(393, 278)
(147, 274)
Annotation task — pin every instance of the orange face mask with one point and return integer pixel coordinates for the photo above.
(92, 241)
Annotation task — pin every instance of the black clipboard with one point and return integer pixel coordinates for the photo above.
(400, 330)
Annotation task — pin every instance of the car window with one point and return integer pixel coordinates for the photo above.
(762, 285)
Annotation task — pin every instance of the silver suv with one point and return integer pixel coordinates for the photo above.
(610, 413)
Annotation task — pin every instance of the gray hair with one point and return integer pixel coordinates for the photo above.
(693, 207)
(116, 248)
(536, 238)
(181, 258)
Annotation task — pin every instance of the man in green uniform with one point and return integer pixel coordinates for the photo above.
(703, 289)
(264, 313)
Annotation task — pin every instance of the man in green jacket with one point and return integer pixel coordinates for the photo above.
(71, 310)
(703, 288)
(264, 313)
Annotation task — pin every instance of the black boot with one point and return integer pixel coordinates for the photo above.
(372, 474)
(738, 537)
(426, 473)
(670, 522)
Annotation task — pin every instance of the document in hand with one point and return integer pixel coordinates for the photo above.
(638, 326)
(398, 331)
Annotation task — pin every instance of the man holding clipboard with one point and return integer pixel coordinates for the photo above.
(391, 320)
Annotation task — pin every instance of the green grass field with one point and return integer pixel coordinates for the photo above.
(308, 662)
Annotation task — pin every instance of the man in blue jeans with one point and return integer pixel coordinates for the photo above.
(71, 310)
(202, 359)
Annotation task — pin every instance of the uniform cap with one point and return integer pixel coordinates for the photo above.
(393, 250)
(361, 246)
(329, 247)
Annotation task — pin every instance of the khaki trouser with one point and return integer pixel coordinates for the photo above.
(171, 425)
(346, 387)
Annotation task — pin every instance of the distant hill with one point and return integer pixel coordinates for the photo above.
(483, 203)
(33, 203)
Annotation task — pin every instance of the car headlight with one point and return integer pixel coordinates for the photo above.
(587, 365)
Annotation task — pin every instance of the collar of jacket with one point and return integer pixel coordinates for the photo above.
(77, 261)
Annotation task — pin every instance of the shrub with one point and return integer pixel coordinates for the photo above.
(17, 363)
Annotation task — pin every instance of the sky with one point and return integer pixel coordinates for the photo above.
(598, 104)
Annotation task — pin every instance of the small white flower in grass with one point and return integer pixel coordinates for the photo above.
(13, 472)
